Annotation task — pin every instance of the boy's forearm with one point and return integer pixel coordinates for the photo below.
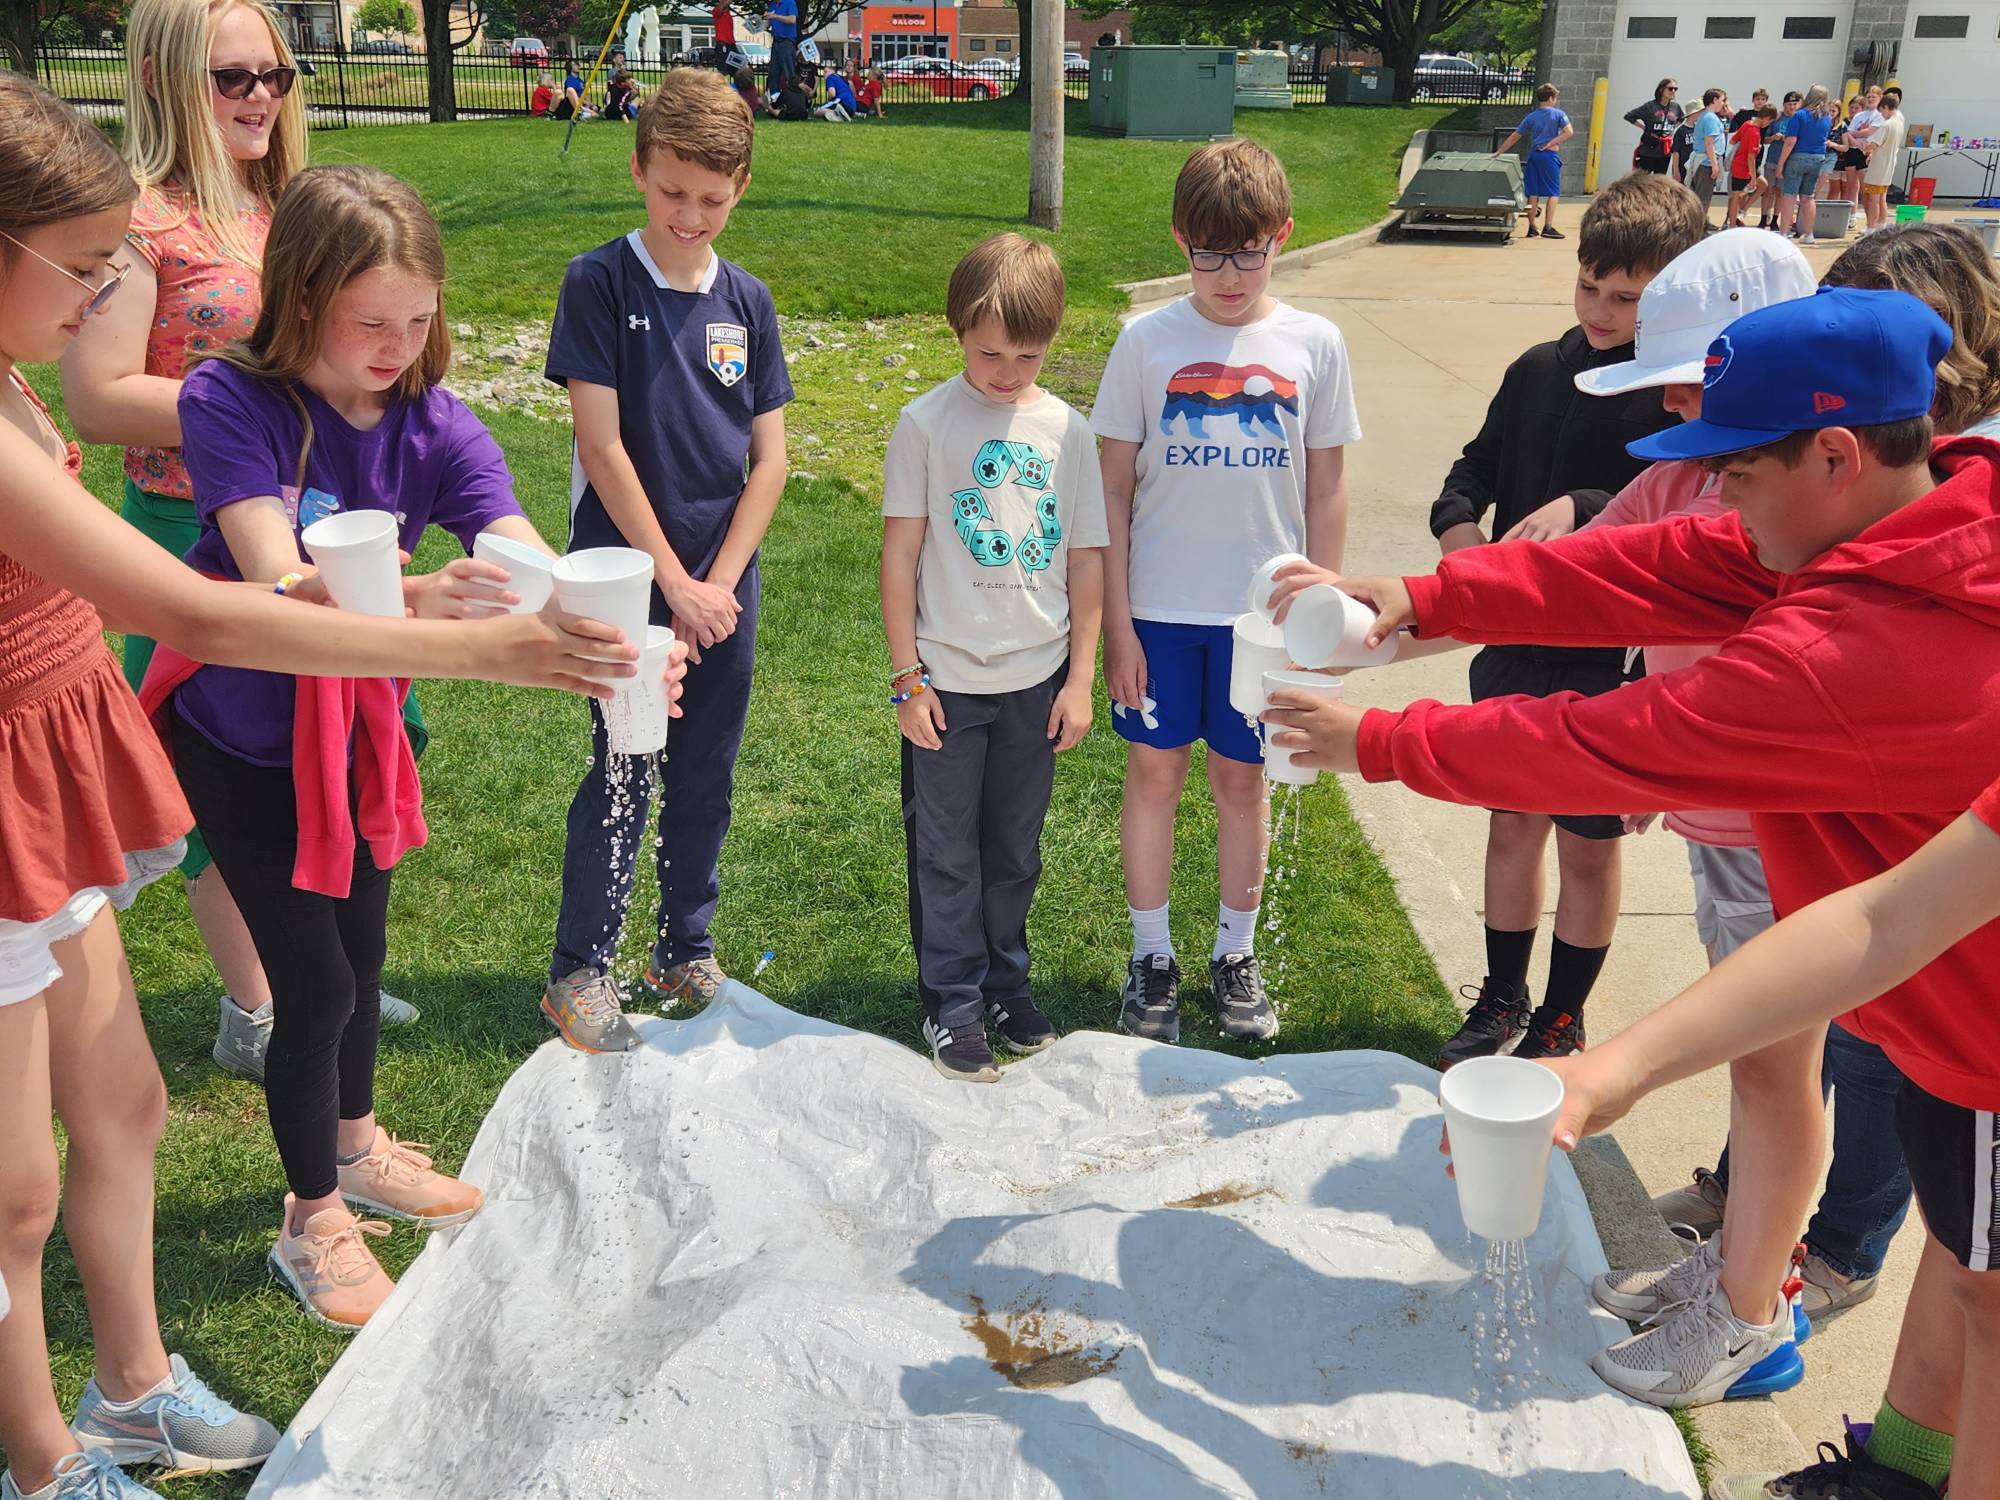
(758, 503)
(1326, 515)
(609, 469)
(1117, 566)
(899, 607)
(1086, 611)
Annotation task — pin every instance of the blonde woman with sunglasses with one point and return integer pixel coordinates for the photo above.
(215, 128)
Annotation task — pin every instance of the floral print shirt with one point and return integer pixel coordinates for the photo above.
(206, 300)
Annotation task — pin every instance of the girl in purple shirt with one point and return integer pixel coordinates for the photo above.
(331, 404)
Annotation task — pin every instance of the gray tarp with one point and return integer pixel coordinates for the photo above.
(767, 1256)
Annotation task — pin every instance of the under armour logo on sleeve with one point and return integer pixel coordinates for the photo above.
(636, 321)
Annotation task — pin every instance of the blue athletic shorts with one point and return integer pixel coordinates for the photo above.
(1187, 680)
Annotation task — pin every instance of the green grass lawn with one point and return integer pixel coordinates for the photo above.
(856, 230)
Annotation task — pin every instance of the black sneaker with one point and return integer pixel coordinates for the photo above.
(1021, 1024)
(1241, 1008)
(1497, 1014)
(1551, 1033)
(1852, 1475)
(961, 1053)
(1150, 1004)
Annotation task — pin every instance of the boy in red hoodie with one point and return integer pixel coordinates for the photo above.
(1852, 708)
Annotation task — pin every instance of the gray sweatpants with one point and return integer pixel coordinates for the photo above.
(972, 819)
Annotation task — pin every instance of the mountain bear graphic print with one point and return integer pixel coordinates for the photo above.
(1252, 394)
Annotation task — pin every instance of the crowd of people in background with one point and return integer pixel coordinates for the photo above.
(1779, 160)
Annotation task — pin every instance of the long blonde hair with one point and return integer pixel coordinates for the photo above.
(333, 224)
(1816, 99)
(170, 134)
(1950, 268)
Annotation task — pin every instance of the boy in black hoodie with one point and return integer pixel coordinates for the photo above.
(1548, 459)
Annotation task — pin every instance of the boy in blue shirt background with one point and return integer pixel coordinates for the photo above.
(1544, 128)
(677, 386)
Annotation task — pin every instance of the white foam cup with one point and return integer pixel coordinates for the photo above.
(636, 717)
(610, 584)
(1326, 627)
(1258, 647)
(1501, 1112)
(528, 571)
(355, 552)
(1278, 764)
(1266, 580)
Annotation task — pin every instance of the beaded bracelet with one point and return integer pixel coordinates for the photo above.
(899, 699)
(288, 582)
(915, 670)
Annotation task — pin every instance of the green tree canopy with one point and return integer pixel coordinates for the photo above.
(390, 16)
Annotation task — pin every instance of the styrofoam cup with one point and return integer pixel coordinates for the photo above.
(1278, 764)
(355, 552)
(636, 717)
(1501, 1112)
(528, 571)
(611, 584)
(1265, 581)
(1258, 647)
(1326, 627)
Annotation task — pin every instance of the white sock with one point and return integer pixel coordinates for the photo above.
(1235, 931)
(1150, 933)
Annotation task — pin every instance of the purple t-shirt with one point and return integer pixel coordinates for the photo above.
(430, 461)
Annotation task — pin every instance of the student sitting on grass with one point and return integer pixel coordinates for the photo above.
(1848, 709)
(677, 386)
(1543, 441)
(992, 592)
(544, 96)
(868, 97)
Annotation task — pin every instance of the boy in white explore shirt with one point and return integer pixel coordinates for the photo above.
(992, 593)
(1223, 418)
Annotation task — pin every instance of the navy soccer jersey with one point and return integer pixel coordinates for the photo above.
(691, 369)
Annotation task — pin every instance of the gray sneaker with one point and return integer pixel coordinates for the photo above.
(81, 1476)
(1638, 1295)
(1242, 1009)
(1699, 1206)
(397, 1012)
(586, 1009)
(1827, 1292)
(241, 1038)
(180, 1425)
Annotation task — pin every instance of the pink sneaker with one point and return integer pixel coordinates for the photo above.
(397, 1179)
(330, 1268)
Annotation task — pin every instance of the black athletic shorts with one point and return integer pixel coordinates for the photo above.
(1740, 184)
(1654, 164)
(1853, 157)
(1542, 672)
(1954, 1158)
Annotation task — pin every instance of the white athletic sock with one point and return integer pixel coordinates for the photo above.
(1150, 933)
(1235, 931)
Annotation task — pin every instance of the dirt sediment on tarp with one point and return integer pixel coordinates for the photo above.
(1235, 1192)
(1025, 1347)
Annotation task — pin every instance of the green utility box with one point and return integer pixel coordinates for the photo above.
(1468, 192)
(1163, 93)
(1361, 86)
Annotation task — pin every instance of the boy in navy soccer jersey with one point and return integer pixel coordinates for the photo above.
(677, 385)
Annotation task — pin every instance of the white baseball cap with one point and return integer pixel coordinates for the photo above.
(1701, 292)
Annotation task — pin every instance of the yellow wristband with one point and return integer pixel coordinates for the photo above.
(288, 582)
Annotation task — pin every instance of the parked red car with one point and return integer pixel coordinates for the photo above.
(944, 78)
(527, 52)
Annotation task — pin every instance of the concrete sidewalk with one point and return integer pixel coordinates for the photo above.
(1430, 328)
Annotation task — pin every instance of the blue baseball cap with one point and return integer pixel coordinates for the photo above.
(1841, 358)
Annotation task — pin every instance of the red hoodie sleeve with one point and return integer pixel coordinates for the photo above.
(1746, 728)
(1687, 579)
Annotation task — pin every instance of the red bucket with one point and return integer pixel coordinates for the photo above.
(1921, 189)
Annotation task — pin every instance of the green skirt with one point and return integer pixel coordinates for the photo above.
(172, 524)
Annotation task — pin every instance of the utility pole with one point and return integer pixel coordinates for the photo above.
(1045, 140)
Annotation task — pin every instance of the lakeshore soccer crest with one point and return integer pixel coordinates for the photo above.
(728, 352)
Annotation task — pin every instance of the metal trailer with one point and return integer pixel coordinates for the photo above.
(1464, 192)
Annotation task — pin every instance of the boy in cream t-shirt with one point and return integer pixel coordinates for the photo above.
(992, 594)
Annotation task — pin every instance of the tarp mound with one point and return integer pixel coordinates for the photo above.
(767, 1256)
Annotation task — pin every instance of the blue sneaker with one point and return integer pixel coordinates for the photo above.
(81, 1476)
(180, 1425)
(1699, 1351)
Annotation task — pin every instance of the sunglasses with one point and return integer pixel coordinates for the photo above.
(99, 295)
(238, 83)
(1243, 260)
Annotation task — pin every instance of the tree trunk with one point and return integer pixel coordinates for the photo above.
(1024, 50)
(438, 60)
(1401, 54)
(1045, 139)
(19, 24)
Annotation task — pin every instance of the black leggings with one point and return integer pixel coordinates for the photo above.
(323, 956)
